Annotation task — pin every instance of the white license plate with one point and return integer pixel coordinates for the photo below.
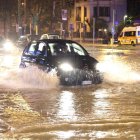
(66, 79)
(86, 82)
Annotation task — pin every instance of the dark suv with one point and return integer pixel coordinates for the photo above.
(72, 63)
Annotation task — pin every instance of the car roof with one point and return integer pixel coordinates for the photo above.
(58, 40)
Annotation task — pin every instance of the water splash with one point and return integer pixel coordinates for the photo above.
(117, 71)
(31, 77)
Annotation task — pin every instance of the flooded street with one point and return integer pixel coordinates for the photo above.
(33, 106)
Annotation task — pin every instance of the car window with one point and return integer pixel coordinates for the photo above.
(32, 48)
(37, 49)
(52, 48)
(40, 46)
(59, 48)
(41, 49)
(66, 48)
(130, 33)
(77, 49)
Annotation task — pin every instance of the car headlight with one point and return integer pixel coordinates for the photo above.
(8, 45)
(100, 67)
(66, 67)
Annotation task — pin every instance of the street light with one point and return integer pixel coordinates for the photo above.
(113, 28)
(93, 30)
(125, 16)
(105, 30)
(25, 16)
(19, 18)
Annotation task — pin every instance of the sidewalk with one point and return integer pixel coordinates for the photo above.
(89, 43)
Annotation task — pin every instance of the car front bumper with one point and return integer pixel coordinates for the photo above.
(80, 77)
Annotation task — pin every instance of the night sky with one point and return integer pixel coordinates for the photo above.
(133, 8)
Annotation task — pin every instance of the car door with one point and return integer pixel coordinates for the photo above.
(36, 53)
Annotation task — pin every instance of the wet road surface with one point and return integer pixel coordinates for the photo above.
(33, 106)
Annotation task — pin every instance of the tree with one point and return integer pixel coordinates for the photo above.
(37, 12)
(6, 15)
(46, 12)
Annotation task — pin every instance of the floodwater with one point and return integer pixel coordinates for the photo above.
(33, 106)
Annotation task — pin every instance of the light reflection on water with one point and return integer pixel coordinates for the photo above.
(101, 106)
(82, 112)
(66, 109)
(65, 134)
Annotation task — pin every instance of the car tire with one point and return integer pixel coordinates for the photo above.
(98, 78)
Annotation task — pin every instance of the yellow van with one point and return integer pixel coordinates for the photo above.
(130, 35)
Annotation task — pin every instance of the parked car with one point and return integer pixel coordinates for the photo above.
(50, 36)
(129, 36)
(24, 40)
(71, 62)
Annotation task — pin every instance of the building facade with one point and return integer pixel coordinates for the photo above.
(86, 12)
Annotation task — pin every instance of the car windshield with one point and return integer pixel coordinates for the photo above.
(67, 48)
